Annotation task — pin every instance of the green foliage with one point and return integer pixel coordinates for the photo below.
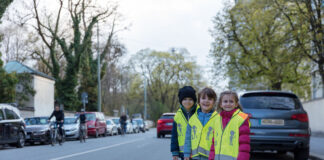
(25, 82)
(253, 46)
(7, 81)
(165, 73)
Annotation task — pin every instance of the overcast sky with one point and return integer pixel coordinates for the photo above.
(162, 24)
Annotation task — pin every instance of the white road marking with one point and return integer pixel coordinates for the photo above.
(94, 150)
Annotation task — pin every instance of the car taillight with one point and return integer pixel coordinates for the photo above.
(160, 121)
(298, 135)
(300, 117)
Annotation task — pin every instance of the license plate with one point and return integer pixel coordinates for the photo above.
(273, 122)
(169, 124)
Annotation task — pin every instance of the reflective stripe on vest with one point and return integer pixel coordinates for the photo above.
(182, 123)
(226, 141)
(201, 136)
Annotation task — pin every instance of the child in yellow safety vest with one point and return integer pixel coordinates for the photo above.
(187, 99)
(200, 129)
(231, 138)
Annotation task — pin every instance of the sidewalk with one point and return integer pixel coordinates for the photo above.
(317, 146)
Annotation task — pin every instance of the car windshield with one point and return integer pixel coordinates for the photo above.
(90, 116)
(270, 102)
(108, 122)
(167, 117)
(69, 120)
(139, 121)
(116, 121)
(36, 121)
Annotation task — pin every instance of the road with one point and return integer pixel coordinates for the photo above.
(129, 147)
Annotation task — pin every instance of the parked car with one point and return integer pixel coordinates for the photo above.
(116, 121)
(72, 127)
(96, 123)
(278, 122)
(164, 124)
(141, 124)
(129, 127)
(12, 126)
(135, 127)
(111, 127)
(37, 130)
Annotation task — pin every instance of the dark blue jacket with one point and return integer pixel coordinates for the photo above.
(174, 138)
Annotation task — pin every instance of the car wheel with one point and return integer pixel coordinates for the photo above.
(163, 135)
(158, 135)
(21, 140)
(301, 154)
(105, 133)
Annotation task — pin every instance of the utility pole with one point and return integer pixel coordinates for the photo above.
(145, 109)
(99, 81)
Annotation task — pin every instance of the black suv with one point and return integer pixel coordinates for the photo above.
(278, 122)
(12, 126)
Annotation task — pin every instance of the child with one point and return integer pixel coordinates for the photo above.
(187, 100)
(200, 129)
(231, 138)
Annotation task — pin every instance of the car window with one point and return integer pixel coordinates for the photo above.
(36, 121)
(167, 117)
(69, 120)
(11, 114)
(116, 121)
(90, 116)
(1, 115)
(269, 102)
(108, 122)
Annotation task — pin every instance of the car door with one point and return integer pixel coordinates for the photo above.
(12, 125)
(2, 127)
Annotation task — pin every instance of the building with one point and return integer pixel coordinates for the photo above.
(42, 103)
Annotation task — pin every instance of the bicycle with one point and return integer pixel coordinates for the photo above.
(82, 135)
(55, 136)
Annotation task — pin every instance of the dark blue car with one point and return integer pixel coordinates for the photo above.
(278, 122)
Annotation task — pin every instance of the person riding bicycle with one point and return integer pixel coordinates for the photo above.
(59, 115)
(123, 123)
(83, 121)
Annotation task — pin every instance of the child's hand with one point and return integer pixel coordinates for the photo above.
(186, 158)
(175, 157)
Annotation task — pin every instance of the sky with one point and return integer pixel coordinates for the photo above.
(162, 24)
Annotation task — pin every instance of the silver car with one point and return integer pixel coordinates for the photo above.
(278, 122)
(72, 127)
(111, 127)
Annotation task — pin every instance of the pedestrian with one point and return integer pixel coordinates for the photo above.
(188, 106)
(200, 129)
(231, 138)
(123, 123)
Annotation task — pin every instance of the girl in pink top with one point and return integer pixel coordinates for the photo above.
(227, 105)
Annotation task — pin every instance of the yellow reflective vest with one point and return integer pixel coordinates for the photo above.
(182, 123)
(226, 140)
(201, 136)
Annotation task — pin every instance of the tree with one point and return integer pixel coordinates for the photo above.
(7, 81)
(165, 73)
(73, 43)
(253, 46)
(305, 19)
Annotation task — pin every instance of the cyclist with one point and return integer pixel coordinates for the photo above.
(123, 123)
(83, 120)
(59, 115)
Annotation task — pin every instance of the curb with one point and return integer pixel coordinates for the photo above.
(315, 156)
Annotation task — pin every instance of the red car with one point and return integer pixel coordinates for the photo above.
(164, 124)
(96, 123)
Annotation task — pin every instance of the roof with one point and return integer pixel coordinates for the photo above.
(15, 66)
(265, 91)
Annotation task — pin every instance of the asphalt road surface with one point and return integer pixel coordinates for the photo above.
(141, 146)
